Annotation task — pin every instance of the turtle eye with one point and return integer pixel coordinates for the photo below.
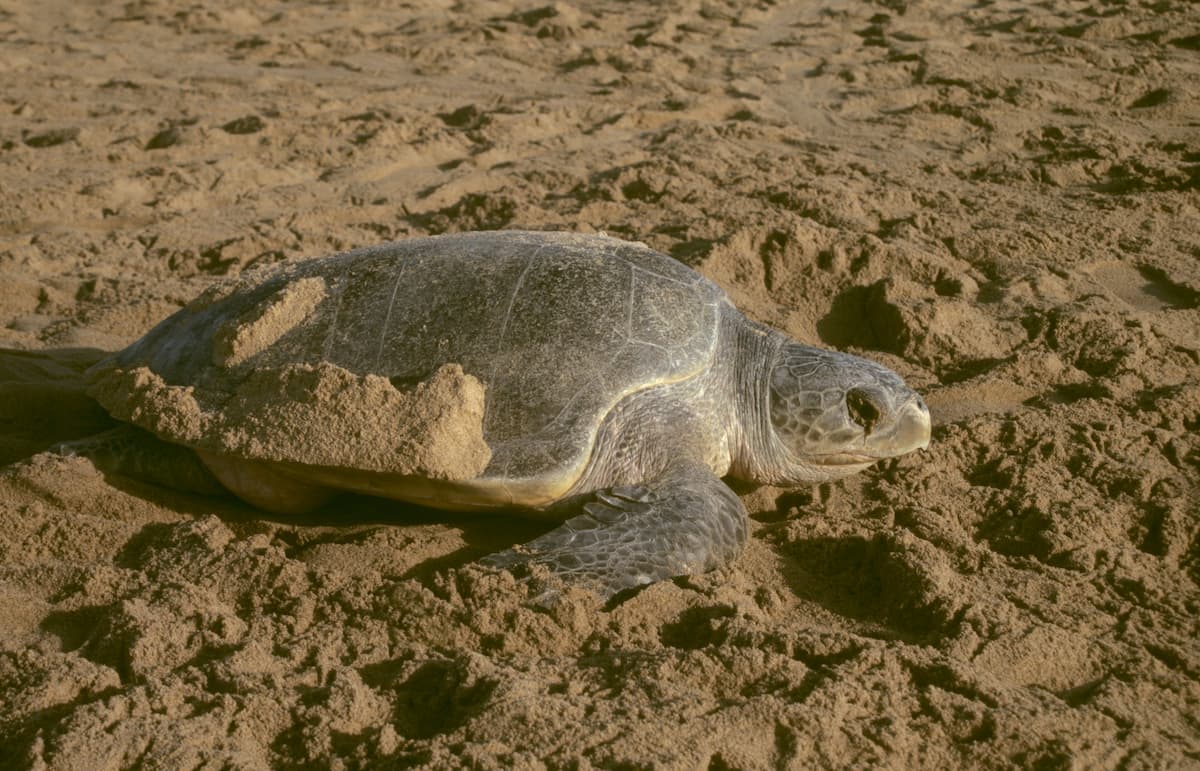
(862, 410)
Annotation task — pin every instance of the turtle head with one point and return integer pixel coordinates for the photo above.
(836, 413)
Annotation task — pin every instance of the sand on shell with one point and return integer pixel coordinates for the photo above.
(314, 415)
(997, 200)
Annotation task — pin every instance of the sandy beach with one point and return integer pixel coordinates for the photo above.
(998, 200)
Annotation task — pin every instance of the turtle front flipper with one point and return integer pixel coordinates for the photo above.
(685, 522)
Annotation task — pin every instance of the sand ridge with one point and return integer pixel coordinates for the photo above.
(997, 200)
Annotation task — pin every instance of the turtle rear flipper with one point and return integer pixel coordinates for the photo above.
(685, 522)
(138, 454)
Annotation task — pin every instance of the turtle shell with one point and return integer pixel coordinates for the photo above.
(557, 328)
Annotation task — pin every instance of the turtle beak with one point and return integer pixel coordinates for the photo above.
(909, 431)
(912, 427)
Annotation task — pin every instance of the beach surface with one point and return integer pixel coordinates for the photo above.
(999, 200)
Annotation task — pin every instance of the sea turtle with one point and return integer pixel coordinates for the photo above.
(581, 378)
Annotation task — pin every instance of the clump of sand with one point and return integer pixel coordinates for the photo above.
(241, 339)
(316, 415)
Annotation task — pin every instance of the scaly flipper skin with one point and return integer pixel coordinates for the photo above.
(685, 522)
(131, 452)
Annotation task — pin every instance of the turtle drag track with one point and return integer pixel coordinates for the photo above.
(998, 200)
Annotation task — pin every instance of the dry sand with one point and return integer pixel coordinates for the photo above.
(998, 199)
